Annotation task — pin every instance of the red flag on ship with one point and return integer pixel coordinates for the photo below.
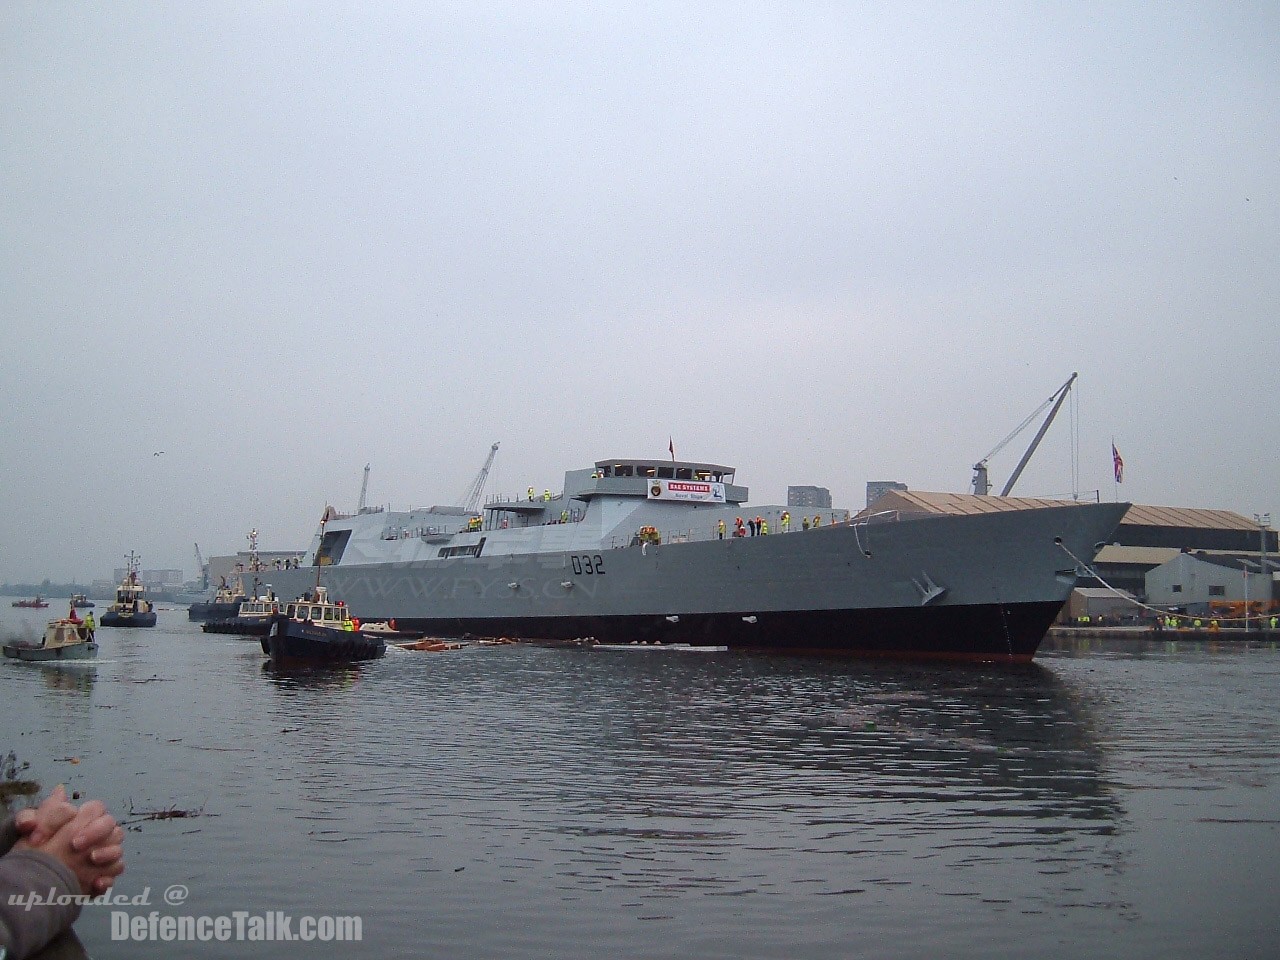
(1118, 463)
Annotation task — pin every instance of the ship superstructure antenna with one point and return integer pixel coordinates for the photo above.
(471, 499)
(981, 482)
(201, 570)
(364, 489)
(254, 562)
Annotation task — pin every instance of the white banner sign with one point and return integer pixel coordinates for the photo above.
(698, 491)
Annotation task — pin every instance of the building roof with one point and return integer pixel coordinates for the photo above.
(1103, 593)
(1148, 516)
(1146, 556)
(917, 501)
(1232, 561)
(1138, 514)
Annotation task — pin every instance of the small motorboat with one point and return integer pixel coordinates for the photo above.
(64, 639)
(315, 629)
(37, 603)
(81, 602)
(132, 608)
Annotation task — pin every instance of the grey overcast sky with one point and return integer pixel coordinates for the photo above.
(824, 242)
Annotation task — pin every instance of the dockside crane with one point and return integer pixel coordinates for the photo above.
(981, 482)
(364, 489)
(471, 499)
(201, 570)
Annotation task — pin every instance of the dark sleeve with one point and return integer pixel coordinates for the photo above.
(23, 872)
(8, 835)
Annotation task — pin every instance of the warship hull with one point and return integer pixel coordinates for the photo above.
(983, 587)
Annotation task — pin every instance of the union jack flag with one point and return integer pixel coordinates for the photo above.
(1118, 462)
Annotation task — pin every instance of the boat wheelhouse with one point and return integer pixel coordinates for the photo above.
(131, 607)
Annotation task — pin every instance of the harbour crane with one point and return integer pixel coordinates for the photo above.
(981, 483)
(471, 499)
(201, 571)
(364, 489)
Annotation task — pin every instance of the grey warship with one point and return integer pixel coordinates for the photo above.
(644, 551)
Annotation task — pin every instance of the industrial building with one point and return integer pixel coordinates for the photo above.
(1197, 583)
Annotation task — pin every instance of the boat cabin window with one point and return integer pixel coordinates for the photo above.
(684, 473)
(622, 470)
(666, 473)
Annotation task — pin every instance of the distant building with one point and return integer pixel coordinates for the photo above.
(1192, 581)
(878, 488)
(819, 497)
(1095, 602)
(156, 578)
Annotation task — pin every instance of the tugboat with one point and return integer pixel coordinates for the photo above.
(81, 602)
(226, 602)
(132, 608)
(67, 638)
(39, 603)
(252, 620)
(315, 629)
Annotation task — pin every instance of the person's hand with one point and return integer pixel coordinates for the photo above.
(88, 840)
(39, 824)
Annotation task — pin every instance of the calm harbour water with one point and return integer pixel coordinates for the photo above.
(1115, 800)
